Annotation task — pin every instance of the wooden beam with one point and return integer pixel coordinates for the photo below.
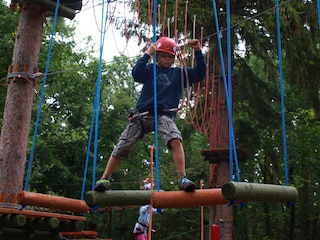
(12, 220)
(71, 226)
(51, 5)
(117, 198)
(85, 233)
(53, 202)
(23, 234)
(43, 224)
(39, 214)
(259, 192)
(182, 199)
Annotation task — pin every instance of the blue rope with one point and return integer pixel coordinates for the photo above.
(156, 135)
(231, 134)
(97, 100)
(229, 86)
(95, 112)
(41, 96)
(282, 96)
(88, 153)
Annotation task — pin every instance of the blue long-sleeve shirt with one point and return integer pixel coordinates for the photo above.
(144, 215)
(170, 83)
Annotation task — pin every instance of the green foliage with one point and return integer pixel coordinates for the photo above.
(70, 90)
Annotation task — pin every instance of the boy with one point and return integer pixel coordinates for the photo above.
(170, 83)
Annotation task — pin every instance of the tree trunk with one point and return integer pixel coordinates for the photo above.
(18, 106)
(221, 214)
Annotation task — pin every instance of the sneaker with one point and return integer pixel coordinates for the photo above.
(102, 185)
(187, 185)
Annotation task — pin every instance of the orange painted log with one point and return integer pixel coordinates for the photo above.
(182, 199)
(52, 202)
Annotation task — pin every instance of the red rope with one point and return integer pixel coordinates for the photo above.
(176, 22)
(159, 15)
(164, 17)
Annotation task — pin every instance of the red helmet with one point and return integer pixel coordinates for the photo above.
(167, 45)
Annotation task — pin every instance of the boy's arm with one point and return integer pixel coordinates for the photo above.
(139, 70)
(197, 73)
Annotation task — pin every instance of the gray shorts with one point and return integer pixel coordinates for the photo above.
(135, 130)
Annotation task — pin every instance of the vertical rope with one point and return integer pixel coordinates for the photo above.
(155, 97)
(229, 87)
(42, 95)
(95, 112)
(150, 222)
(175, 34)
(231, 134)
(97, 107)
(282, 95)
(84, 179)
(151, 177)
(164, 18)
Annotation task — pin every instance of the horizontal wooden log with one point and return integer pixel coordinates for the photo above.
(117, 198)
(51, 6)
(43, 224)
(182, 199)
(23, 234)
(13, 220)
(259, 192)
(86, 233)
(53, 202)
(71, 226)
(38, 214)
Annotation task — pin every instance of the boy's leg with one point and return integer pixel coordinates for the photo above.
(172, 137)
(112, 164)
(128, 138)
(178, 157)
(179, 160)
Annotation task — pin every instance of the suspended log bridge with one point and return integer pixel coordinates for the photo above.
(259, 192)
(171, 199)
(53, 202)
(240, 191)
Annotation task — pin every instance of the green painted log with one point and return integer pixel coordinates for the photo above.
(24, 234)
(71, 226)
(117, 198)
(51, 5)
(43, 224)
(259, 192)
(13, 220)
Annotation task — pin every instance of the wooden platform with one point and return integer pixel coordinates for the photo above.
(39, 214)
(24, 222)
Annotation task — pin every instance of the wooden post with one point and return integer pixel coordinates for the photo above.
(221, 215)
(18, 106)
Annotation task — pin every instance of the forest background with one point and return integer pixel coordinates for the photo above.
(60, 153)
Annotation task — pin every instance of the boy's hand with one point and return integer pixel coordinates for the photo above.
(195, 44)
(152, 49)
